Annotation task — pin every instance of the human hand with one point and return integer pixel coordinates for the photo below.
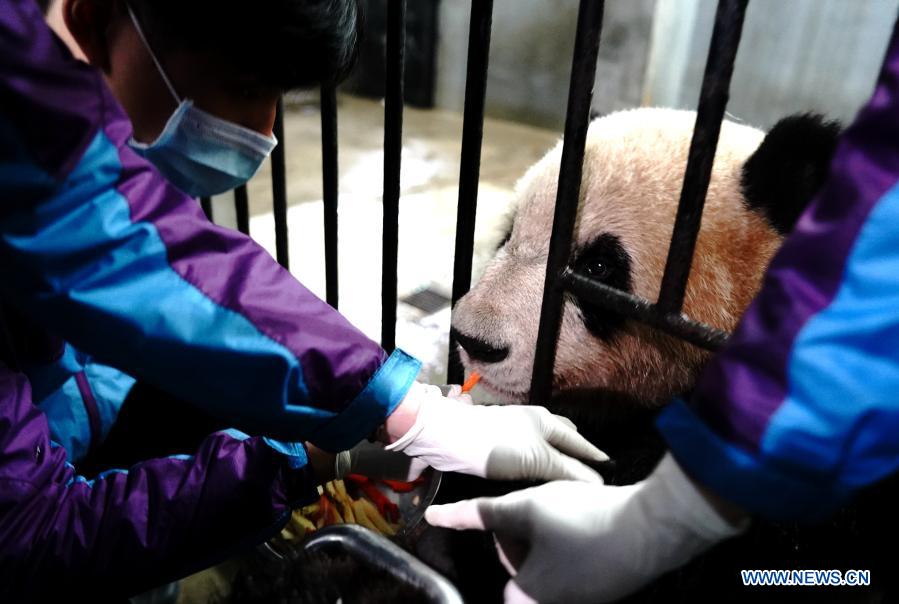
(585, 542)
(499, 442)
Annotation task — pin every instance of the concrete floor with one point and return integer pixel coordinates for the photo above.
(429, 191)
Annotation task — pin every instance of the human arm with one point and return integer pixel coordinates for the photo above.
(97, 247)
(586, 542)
(799, 412)
(127, 530)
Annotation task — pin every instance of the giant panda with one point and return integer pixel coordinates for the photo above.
(634, 165)
(612, 375)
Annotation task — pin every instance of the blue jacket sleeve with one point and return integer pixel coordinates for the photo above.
(102, 251)
(800, 410)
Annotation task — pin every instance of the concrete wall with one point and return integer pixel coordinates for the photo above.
(796, 55)
(530, 57)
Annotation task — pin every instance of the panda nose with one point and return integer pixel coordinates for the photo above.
(480, 350)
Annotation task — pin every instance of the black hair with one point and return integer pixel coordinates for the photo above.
(284, 44)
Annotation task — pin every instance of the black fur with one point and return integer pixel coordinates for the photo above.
(478, 349)
(788, 168)
(605, 260)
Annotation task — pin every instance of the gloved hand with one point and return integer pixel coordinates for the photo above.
(580, 542)
(372, 460)
(505, 442)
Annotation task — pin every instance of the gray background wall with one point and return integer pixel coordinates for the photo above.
(530, 57)
(796, 55)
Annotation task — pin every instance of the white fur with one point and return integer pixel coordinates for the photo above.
(633, 172)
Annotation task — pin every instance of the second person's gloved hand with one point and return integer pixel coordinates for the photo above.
(508, 442)
(577, 542)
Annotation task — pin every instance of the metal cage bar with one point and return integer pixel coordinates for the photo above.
(470, 168)
(206, 204)
(635, 307)
(279, 190)
(329, 189)
(242, 209)
(577, 119)
(709, 115)
(393, 149)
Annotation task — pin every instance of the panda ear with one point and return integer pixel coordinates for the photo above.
(788, 168)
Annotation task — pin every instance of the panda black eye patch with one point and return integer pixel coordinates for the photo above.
(605, 260)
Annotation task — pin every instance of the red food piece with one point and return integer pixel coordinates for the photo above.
(356, 478)
(325, 509)
(401, 486)
(388, 509)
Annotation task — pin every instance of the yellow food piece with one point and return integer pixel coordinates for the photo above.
(362, 517)
(342, 509)
(340, 487)
(300, 521)
(375, 516)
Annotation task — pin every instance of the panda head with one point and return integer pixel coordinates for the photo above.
(633, 172)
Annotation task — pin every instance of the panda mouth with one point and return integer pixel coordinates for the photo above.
(514, 396)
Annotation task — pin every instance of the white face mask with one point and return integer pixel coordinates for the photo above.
(200, 153)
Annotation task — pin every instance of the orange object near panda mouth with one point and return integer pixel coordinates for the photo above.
(471, 382)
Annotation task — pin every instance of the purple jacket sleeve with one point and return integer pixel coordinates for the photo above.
(127, 531)
(800, 410)
(101, 250)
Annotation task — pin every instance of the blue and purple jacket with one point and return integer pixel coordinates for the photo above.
(801, 409)
(97, 250)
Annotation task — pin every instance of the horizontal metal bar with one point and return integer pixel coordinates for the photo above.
(330, 188)
(393, 149)
(577, 119)
(470, 168)
(242, 209)
(640, 309)
(709, 114)
(279, 190)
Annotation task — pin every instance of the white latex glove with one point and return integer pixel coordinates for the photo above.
(579, 542)
(372, 460)
(504, 442)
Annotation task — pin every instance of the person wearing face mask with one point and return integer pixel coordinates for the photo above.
(109, 269)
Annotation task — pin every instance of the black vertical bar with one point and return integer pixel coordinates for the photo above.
(206, 204)
(279, 190)
(469, 172)
(393, 147)
(710, 112)
(242, 209)
(329, 189)
(577, 118)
